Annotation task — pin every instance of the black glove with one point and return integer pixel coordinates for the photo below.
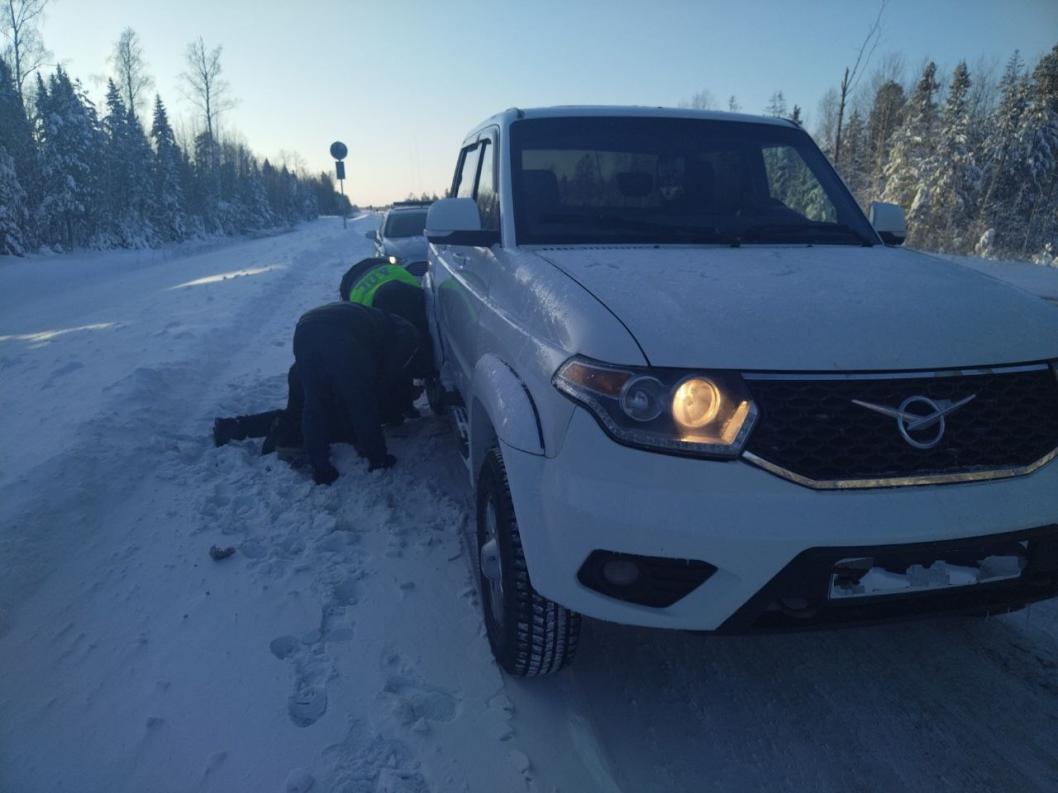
(324, 475)
(386, 462)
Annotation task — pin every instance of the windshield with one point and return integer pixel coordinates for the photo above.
(405, 224)
(648, 180)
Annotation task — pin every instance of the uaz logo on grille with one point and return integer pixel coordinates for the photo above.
(914, 425)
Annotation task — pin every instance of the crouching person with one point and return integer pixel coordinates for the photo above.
(347, 355)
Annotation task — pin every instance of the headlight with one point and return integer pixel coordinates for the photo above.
(707, 414)
(393, 260)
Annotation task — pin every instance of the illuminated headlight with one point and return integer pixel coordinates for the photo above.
(393, 260)
(707, 414)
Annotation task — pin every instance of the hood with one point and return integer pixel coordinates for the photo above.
(821, 308)
(407, 249)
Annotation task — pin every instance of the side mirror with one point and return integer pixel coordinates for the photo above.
(457, 221)
(371, 235)
(888, 220)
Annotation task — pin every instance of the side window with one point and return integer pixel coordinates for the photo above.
(487, 198)
(463, 187)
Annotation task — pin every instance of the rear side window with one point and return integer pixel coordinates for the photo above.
(467, 173)
(488, 200)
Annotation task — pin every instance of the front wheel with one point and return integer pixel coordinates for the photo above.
(529, 634)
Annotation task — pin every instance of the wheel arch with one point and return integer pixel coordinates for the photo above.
(502, 409)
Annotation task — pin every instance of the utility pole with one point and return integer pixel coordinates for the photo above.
(339, 152)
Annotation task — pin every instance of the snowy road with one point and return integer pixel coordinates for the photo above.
(342, 642)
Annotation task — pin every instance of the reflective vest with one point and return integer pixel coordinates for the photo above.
(363, 291)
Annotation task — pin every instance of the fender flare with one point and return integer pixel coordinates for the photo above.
(501, 409)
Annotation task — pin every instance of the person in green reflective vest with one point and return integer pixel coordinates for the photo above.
(363, 279)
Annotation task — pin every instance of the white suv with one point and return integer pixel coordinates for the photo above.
(698, 390)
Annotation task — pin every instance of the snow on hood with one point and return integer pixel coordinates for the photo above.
(838, 308)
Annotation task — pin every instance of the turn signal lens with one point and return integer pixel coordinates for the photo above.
(696, 403)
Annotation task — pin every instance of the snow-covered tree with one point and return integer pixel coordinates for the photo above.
(71, 143)
(855, 159)
(913, 146)
(950, 179)
(827, 121)
(169, 173)
(12, 207)
(1037, 140)
(16, 140)
(884, 119)
(127, 193)
(1001, 160)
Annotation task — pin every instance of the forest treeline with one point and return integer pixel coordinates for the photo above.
(73, 175)
(973, 160)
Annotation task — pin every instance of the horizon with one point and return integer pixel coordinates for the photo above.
(404, 116)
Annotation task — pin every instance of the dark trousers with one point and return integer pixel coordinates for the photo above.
(258, 425)
(338, 386)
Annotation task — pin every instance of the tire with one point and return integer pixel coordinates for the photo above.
(435, 396)
(530, 635)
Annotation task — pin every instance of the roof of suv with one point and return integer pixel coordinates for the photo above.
(573, 111)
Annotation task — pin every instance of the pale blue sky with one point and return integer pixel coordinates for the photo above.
(401, 81)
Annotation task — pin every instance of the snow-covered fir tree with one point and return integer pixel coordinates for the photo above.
(1037, 141)
(997, 221)
(884, 119)
(12, 207)
(914, 145)
(169, 172)
(949, 179)
(855, 157)
(21, 177)
(71, 144)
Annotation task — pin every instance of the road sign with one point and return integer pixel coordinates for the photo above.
(339, 152)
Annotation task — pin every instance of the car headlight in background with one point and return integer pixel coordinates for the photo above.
(393, 260)
(708, 414)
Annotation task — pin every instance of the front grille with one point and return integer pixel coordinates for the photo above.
(811, 428)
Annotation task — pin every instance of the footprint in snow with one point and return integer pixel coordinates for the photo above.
(284, 647)
(415, 705)
(308, 703)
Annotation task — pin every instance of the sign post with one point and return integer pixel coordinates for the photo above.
(339, 152)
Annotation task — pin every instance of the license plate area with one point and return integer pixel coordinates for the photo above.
(883, 576)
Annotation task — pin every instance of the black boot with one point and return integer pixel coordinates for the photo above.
(225, 430)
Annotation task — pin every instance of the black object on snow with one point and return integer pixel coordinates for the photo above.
(217, 553)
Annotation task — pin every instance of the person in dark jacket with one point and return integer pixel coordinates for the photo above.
(347, 355)
(281, 429)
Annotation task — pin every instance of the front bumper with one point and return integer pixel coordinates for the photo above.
(749, 524)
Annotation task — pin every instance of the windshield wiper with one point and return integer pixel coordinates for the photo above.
(687, 233)
(764, 232)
